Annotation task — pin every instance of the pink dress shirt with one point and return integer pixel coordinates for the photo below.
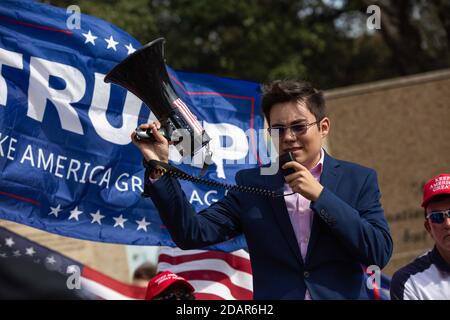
(301, 215)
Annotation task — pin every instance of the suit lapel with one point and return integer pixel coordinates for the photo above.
(329, 179)
(280, 212)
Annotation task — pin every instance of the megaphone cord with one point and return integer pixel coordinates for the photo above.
(165, 168)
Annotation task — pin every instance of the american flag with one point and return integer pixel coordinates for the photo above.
(215, 275)
(382, 292)
(102, 287)
(93, 284)
(219, 275)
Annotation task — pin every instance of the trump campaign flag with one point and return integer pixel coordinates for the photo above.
(67, 164)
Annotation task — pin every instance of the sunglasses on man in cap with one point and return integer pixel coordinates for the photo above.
(438, 216)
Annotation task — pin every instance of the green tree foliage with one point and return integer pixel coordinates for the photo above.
(326, 42)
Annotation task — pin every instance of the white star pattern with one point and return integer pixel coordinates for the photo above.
(97, 217)
(30, 251)
(130, 48)
(75, 213)
(72, 269)
(55, 211)
(51, 260)
(111, 43)
(90, 38)
(3, 255)
(119, 221)
(16, 253)
(9, 242)
(142, 224)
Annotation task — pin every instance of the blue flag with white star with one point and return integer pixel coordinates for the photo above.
(50, 274)
(67, 164)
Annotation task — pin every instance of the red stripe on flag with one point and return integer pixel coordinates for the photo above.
(187, 113)
(376, 291)
(215, 275)
(236, 291)
(120, 287)
(207, 296)
(191, 114)
(20, 198)
(35, 25)
(238, 263)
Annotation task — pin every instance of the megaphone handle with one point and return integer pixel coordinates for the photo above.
(147, 135)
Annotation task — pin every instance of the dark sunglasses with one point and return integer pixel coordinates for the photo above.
(176, 296)
(297, 129)
(438, 216)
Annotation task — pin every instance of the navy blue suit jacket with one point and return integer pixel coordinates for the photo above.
(348, 230)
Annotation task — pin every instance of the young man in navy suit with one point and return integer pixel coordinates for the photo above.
(312, 244)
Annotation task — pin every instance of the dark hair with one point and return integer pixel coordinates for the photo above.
(438, 198)
(145, 271)
(295, 91)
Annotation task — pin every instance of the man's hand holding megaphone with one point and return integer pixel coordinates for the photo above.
(154, 149)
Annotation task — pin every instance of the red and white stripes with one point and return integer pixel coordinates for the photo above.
(215, 275)
(178, 103)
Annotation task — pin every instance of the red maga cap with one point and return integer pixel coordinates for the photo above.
(162, 281)
(436, 186)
